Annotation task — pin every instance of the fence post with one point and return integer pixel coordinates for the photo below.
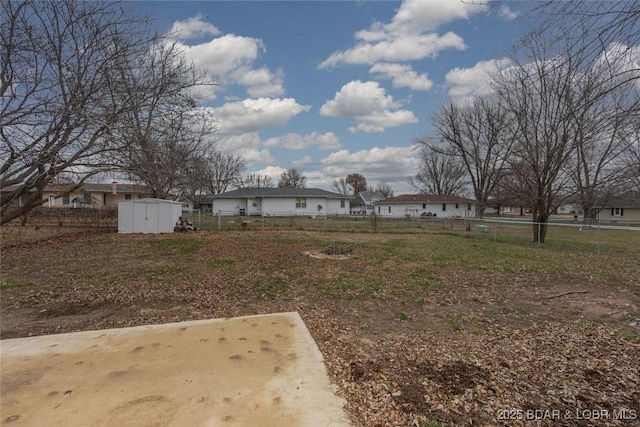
(539, 226)
(219, 220)
(598, 237)
(200, 219)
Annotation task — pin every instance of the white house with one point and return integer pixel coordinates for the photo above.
(364, 202)
(426, 206)
(280, 202)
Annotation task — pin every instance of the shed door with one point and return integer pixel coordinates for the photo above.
(145, 217)
(152, 218)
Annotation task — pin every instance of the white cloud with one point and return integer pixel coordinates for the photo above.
(274, 172)
(251, 115)
(394, 48)
(402, 76)
(621, 61)
(229, 60)
(379, 121)
(389, 164)
(247, 146)
(417, 16)
(465, 82)
(301, 162)
(369, 105)
(261, 82)
(506, 12)
(294, 141)
(223, 55)
(410, 35)
(192, 28)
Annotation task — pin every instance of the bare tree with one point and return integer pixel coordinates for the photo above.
(225, 170)
(573, 94)
(538, 93)
(591, 28)
(292, 178)
(165, 157)
(196, 186)
(604, 134)
(598, 43)
(439, 173)
(357, 182)
(385, 189)
(255, 180)
(64, 93)
(340, 186)
(163, 132)
(478, 135)
(630, 161)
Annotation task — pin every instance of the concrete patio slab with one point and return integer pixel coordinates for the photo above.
(247, 371)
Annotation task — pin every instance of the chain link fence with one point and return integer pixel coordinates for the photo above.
(45, 223)
(562, 231)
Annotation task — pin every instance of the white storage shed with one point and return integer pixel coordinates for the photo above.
(148, 216)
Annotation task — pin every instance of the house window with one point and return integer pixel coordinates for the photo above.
(378, 209)
(424, 206)
(127, 196)
(185, 205)
(617, 212)
(468, 206)
(444, 207)
(104, 199)
(65, 199)
(342, 203)
(389, 209)
(457, 206)
(301, 203)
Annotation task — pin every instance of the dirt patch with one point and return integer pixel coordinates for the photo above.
(331, 252)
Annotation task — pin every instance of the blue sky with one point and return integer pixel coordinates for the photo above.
(336, 87)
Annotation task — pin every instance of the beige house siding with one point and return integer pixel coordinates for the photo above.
(627, 214)
(100, 195)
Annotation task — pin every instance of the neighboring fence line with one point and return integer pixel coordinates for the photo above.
(561, 231)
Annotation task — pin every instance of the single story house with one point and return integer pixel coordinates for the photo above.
(92, 195)
(625, 207)
(280, 202)
(363, 203)
(426, 206)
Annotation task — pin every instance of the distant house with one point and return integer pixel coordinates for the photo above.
(625, 207)
(92, 195)
(364, 202)
(426, 206)
(280, 202)
(187, 207)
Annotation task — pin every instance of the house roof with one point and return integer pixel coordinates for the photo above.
(120, 188)
(246, 193)
(629, 199)
(370, 197)
(88, 187)
(99, 188)
(426, 198)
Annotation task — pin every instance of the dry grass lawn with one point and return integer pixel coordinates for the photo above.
(427, 329)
